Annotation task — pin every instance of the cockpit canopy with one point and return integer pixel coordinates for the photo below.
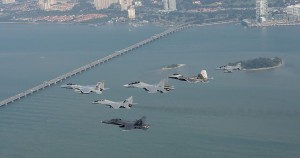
(136, 82)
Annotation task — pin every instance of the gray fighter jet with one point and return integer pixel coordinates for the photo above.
(127, 103)
(98, 88)
(129, 125)
(230, 69)
(161, 87)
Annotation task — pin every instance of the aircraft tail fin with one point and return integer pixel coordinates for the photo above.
(140, 121)
(128, 102)
(162, 83)
(203, 75)
(100, 86)
(239, 66)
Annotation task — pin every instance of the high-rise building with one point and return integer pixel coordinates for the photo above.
(293, 12)
(172, 5)
(46, 4)
(8, 1)
(125, 4)
(261, 10)
(103, 4)
(169, 5)
(131, 12)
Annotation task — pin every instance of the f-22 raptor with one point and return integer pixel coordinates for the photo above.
(129, 125)
(201, 77)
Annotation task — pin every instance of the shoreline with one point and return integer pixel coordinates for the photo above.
(265, 68)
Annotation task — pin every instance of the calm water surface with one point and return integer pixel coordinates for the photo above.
(244, 114)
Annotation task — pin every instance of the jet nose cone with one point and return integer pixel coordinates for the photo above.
(126, 85)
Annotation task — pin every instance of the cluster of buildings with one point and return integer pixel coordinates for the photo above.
(129, 5)
(8, 1)
(291, 13)
(49, 5)
(125, 5)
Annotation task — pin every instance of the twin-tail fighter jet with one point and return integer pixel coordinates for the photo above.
(161, 87)
(230, 69)
(128, 125)
(202, 77)
(98, 88)
(127, 103)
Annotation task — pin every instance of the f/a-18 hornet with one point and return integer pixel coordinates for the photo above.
(129, 125)
(161, 87)
(98, 88)
(127, 103)
(229, 69)
(202, 77)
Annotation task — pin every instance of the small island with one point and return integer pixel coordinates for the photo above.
(259, 63)
(172, 66)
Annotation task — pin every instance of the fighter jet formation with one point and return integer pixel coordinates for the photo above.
(161, 87)
(129, 125)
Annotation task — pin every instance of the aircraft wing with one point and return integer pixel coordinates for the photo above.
(228, 70)
(114, 105)
(150, 89)
(84, 90)
(128, 126)
(193, 80)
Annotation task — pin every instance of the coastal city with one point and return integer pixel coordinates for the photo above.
(164, 12)
(149, 78)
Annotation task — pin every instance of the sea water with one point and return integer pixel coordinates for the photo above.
(243, 114)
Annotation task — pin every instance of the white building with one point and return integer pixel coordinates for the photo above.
(131, 12)
(261, 10)
(169, 5)
(293, 12)
(104, 4)
(46, 4)
(8, 1)
(125, 4)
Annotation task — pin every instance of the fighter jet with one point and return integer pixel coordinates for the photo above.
(127, 103)
(129, 125)
(161, 87)
(98, 88)
(230, 69)
(70, 86)
(202, 77)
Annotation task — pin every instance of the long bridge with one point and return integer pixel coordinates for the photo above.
(115, 54)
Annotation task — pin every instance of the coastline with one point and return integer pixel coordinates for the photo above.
(266, 68)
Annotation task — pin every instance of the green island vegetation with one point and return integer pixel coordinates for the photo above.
(259, 63)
